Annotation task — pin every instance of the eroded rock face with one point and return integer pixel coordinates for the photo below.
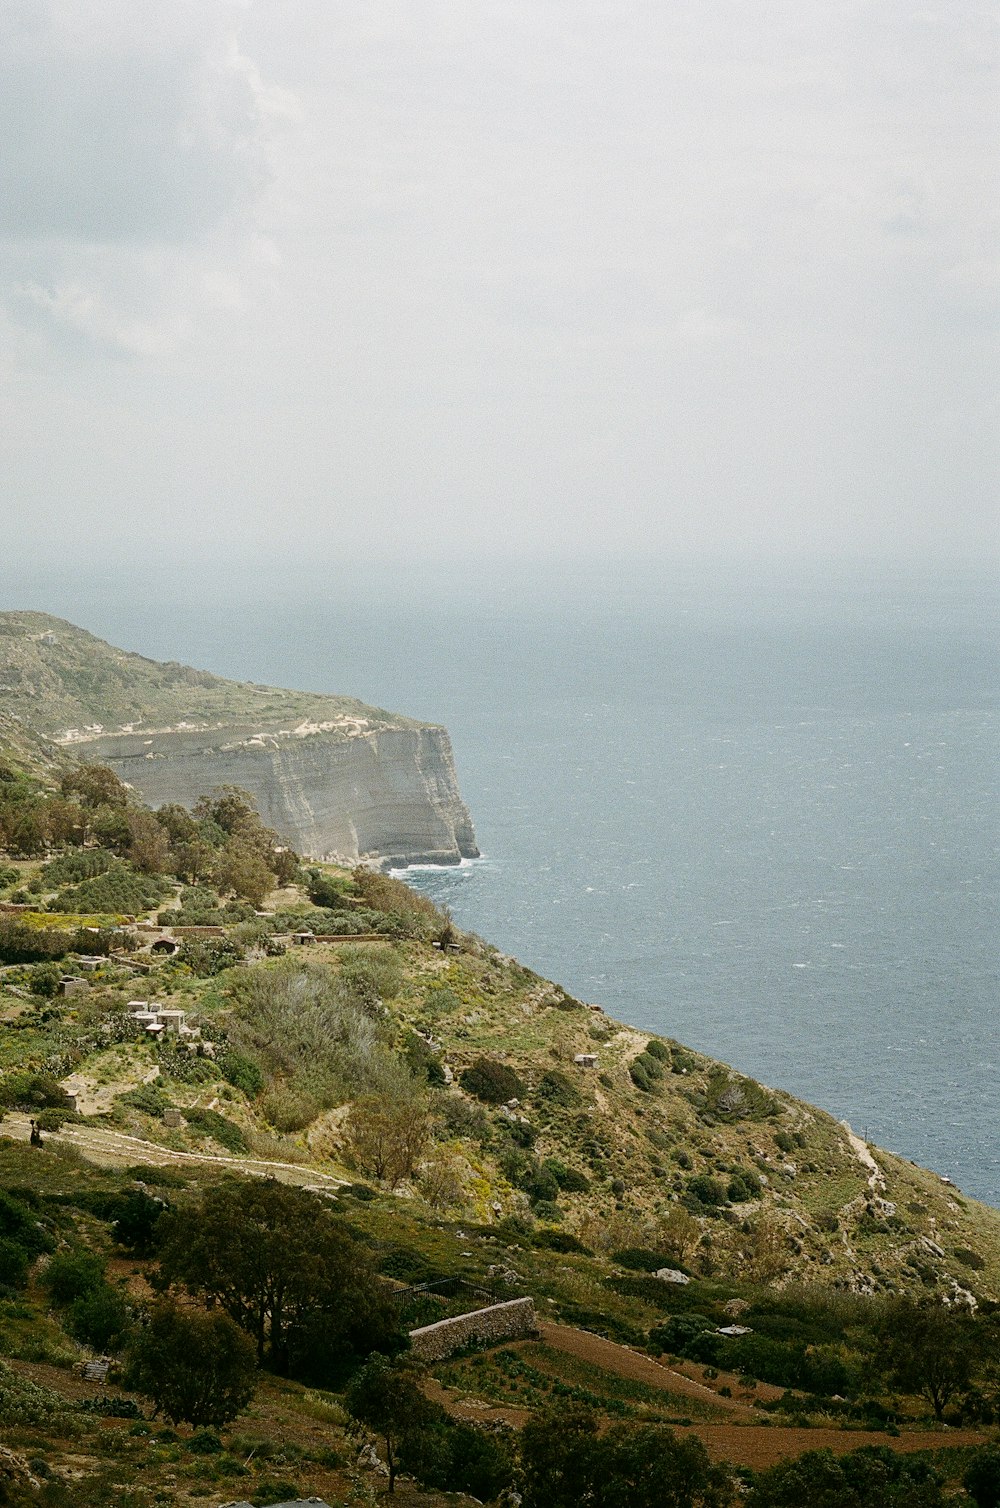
(389, 793)
(336, 778)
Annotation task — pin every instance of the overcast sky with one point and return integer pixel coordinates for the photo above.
(304, 281)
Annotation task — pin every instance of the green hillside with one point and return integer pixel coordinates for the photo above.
(411, 1125)
(55, 677)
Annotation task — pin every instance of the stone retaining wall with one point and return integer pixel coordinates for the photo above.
(510, 1321)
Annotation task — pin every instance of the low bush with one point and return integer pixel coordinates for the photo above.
(704, 1190)
(147, 1098)
(646, 1071)
(557, 1089)
(27, 1089)
(211, 1123)
(241, 1071)
(559, 1240)
(491, 1081)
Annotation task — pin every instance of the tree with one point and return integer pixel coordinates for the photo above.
(676, 1233)
(386, 1397)
(929, 1349)
(179, 824)
(95, 785)
(149, 844)
(193, 860)
(388, 1133)
(872, 1477)
(196, 1367)
(567, 1464)
(650, 1467)
(559, 1457)
(277, 1261)
(243, 871)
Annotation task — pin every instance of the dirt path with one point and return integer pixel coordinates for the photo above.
(116, 1149)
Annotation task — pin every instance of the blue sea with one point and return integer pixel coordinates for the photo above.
(759, 818)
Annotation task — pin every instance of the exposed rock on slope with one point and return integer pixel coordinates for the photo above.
(333, 776)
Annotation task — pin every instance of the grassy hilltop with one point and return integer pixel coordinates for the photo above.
(419, 1098)
(55, 677)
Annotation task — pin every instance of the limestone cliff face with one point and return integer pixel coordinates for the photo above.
(390, 794)
(334, 777)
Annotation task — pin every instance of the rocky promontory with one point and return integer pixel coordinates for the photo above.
(334, 777)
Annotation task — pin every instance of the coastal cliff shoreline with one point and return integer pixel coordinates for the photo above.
(333, 777)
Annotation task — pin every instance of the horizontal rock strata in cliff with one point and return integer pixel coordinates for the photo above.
(390, 793)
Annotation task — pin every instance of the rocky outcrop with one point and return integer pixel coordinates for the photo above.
(336, 778)
(387, 793)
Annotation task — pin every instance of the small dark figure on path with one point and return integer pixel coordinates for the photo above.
(36, 1135)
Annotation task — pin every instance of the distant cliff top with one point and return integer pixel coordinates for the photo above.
(69, 686)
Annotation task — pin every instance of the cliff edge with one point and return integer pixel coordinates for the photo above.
(336, 778)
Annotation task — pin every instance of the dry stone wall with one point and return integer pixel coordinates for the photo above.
(510, 1321)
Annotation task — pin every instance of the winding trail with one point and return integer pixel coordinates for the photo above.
(117, 1149)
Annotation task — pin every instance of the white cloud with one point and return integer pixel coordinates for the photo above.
(520, 275)
(138, 142)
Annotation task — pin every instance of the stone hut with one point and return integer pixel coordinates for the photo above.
(172, 1019)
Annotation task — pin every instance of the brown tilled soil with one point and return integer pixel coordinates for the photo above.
(762, 1445)
(747, 1441)
(624, 1362)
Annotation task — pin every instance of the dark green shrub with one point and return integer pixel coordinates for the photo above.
(241, 1071)
(478, 1463)
(541, 1184)
(21, 944)
(646, 1071)
(30, 1090)
(149, 1099)
(54, 1120)
(559, 1240)
(44, 980)
(211, 1123)
(555, 1088)
(205, 1442)
(642, 1259)
(19, 1224)
(568, 1179)
(982, 1477)
(72, 1275)
(14, 1264)
(324, 890)
(705, 1190)
(99, 1318)
(677, 1333)
(969, 1258)
(134, 1217)
(743, 1185)
(491, 1081)
(658, 1049)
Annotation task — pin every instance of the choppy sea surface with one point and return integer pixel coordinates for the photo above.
(762, 824)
